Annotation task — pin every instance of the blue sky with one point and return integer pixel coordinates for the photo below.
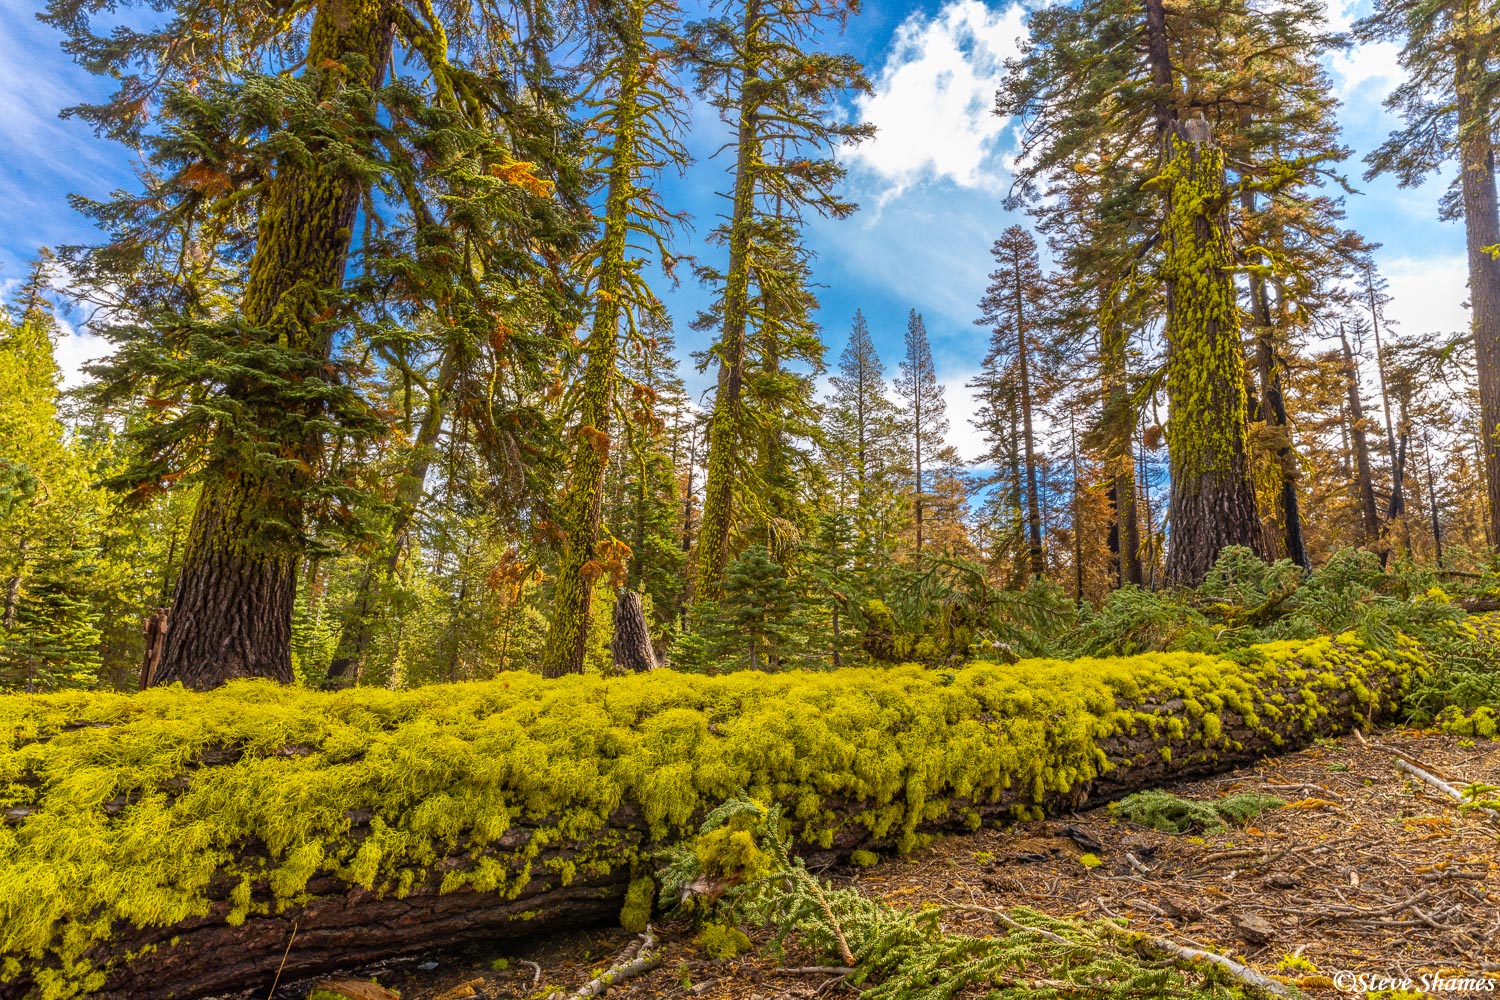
(930, 185)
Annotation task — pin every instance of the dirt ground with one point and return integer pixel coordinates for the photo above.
(1365, 870)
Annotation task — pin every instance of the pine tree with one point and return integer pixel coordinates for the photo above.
(924, 417)
(1450, 114)
(236, 261)
(1013, 308)
(636, 116)
(777, 98)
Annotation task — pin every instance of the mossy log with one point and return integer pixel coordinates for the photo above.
(176, 844)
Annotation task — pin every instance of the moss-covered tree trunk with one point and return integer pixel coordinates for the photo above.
(581, 512)
(493, 812)
(1213, 499)
(232, 609)
(726, 427)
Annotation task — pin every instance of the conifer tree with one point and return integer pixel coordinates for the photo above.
(236, 261)
(1013, 308)
(924, 413)
(860, 428)
(752, 68)
(636, 115)
(1450, 114)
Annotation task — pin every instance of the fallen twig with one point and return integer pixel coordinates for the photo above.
(536, 972)
(816, 970)
(1243, 973)
(1442, 786)
(645, 959)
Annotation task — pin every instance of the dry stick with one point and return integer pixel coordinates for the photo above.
(536, 972)
(1243, 973)
(644, 961)
(284, 955)
(816, 970)
(1453, 793)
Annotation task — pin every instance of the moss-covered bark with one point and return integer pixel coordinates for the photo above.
(231, 612)
(580, 513)
(726, 428)
(167, 843)
(1213, 499)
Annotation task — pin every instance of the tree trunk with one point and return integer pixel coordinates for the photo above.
(1034, 557)
(726, 430)
(1273, 412)
(631, 644)
(232, 609)
(557, 881)
(1364, 483)
(581, 512)
(1482, 227)
(1212, 499)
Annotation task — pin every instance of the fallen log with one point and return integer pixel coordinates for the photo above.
(180, 844)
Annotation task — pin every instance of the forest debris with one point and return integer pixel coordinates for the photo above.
(1243, 973)
(633, 961)
(1253, 928)
(463, 991)
(353, 989)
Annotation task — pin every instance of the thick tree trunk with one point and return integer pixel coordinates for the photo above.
(1482, 226)
(1212, 500)
(566, 882)
(631, 644)
(231, 613)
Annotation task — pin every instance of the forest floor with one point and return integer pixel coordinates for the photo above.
(1365, 870)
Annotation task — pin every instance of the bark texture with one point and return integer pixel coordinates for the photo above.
(1482, 226)
(631, 644)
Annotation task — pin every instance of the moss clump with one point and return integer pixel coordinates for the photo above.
(639, 900)
(124, 807)
(864, 859)
(722, 941)
(1164, 811)
(1090, 860)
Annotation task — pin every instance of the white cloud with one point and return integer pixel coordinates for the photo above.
(934, 98)
(1367, 72)
(963, 407)
(75, 348)
(1428, 294)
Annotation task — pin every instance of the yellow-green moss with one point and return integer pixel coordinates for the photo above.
(121, 823)
(721, 941)
(639, 899)
(864, 859)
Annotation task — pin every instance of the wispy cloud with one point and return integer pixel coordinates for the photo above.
(934, 98)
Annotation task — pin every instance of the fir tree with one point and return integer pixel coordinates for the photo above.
(637, 116)
(861, 445)
(1013, 308)
(923, 413)
(1450, 114)
(752, 68)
